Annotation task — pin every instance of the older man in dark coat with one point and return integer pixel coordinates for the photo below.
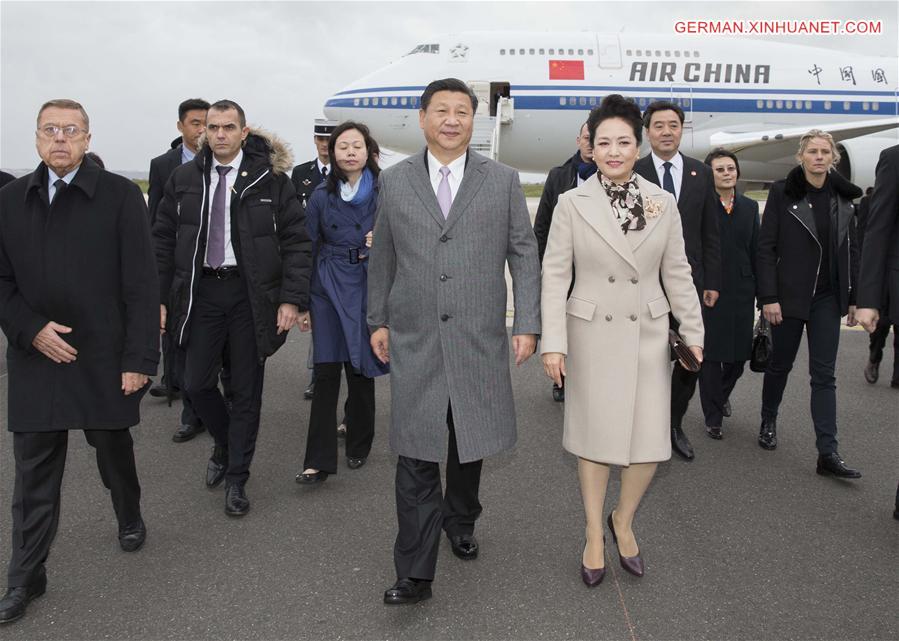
(79, 306)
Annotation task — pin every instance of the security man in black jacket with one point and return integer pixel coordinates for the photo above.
(570, 174)
(234, 261)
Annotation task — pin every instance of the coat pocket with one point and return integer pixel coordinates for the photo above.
(580, 308)
(658, 307)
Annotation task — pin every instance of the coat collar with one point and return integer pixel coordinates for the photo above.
(795, 185)
(85, 179)
(592, 204)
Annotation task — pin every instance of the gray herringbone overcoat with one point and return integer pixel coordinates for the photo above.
(439, 285)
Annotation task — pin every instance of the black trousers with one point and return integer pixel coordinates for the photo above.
(40, 461)
(683, 386)
(222, 313)
(422, 509)
(823, 331)
(878, 341)
(716, 382)
(321, 443)
(176, 359)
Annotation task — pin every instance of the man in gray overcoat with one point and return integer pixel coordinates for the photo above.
(448, 221)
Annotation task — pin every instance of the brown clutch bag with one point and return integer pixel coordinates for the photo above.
(682, 352)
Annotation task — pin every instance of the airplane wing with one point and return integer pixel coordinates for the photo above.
(773, 141)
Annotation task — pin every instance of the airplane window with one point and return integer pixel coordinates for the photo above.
(780, 104)
(789, 104)
(552, 52)
(531, 52)
(393, 101)
(759, 104)
(582, 101)
(827, 105)
(648, 53)
(502, 52)
(628, 52)
(404, 100)
(542, 52)
(580, 52)
(695, 54)
(562, 101)
(658, 54)
(639, 53)
(769, 104)
(592, 101)
(866, 106)
(521, 51)
(846, 106)
(875, 106)
(365, 102)
(511, 52)
(355, 102)
(677, 54)
(808, 104)
(686, 54)
(667, 54)
(571, 52)
(589, 52)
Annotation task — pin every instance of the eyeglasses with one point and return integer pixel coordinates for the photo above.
(725, 170)
(51, 131)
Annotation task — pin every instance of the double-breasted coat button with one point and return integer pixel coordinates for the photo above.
(443, 277)
(608, 317)
(633, 317)
(444, 317)
(635, 280)
(611, 279)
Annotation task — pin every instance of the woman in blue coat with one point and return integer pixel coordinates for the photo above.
(340, 215)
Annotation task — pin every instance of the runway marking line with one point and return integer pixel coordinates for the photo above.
(627, 616)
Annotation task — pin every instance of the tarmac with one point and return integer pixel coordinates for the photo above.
(739, 544)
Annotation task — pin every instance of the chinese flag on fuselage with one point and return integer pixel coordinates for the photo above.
(566, 69)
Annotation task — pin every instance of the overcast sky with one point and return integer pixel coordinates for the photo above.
(131, 63)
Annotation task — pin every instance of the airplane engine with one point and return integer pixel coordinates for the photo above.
(859, 157)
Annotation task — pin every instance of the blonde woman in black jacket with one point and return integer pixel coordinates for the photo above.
(807, 268)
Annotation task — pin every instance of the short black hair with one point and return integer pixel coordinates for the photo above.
(191, 104)
(722, 153)
(371, 147)
(615, 106)
(448, 84)
(225, 105)
(661, 105)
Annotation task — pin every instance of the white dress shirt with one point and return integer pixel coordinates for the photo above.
(322, 167)
(52, 178)
(230, 179)
(677, 171)
(457, 171)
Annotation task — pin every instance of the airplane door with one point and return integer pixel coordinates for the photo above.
(481, 89)
(498, 90)
(608, 49)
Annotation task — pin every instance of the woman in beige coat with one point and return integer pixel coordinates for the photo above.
(622, 235)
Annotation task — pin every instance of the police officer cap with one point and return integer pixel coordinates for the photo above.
(324, 127)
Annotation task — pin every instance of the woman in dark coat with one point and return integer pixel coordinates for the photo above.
(807, 268)
(728, 325)
(340, 216)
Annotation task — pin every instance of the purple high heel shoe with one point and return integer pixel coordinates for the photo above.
(592, 578)
(632, 564)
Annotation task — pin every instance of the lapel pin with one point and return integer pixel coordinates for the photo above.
(244, 174)
(692, 173)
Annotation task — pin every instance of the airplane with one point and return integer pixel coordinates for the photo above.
(755, 98)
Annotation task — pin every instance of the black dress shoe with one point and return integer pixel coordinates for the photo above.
(187, 432)
(558, 394)
(714, 432)
(832, 464)
(465, 546)
(161, 391)
(16, 600)
(680, 443)
(309, 392)
(216, 467)
(355, 463)
(768, 434)
(132, 536)
(236, 501)
(872, 372)
(407, 591)
(726, 411)
(312, 479)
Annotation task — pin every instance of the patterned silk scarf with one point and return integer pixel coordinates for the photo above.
(627, 203)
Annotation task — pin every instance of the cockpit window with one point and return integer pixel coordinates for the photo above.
(425, 49)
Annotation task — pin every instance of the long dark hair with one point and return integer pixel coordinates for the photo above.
(371, 146)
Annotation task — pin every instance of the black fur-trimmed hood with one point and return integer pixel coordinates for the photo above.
(795, 185)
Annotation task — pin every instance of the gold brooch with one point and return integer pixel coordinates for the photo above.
(651, 208)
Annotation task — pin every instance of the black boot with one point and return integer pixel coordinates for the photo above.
(832, 464)
(680, 443)
(768, 434)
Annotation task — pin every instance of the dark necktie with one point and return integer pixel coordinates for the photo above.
(324, 172)
(60, 185)
(668, 179)
(215, 252)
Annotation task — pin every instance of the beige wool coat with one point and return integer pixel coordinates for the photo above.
(614, 327)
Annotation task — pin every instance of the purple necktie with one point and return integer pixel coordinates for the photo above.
(215, 252)
(444, 195)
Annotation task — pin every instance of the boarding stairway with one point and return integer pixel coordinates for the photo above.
(485, 138)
